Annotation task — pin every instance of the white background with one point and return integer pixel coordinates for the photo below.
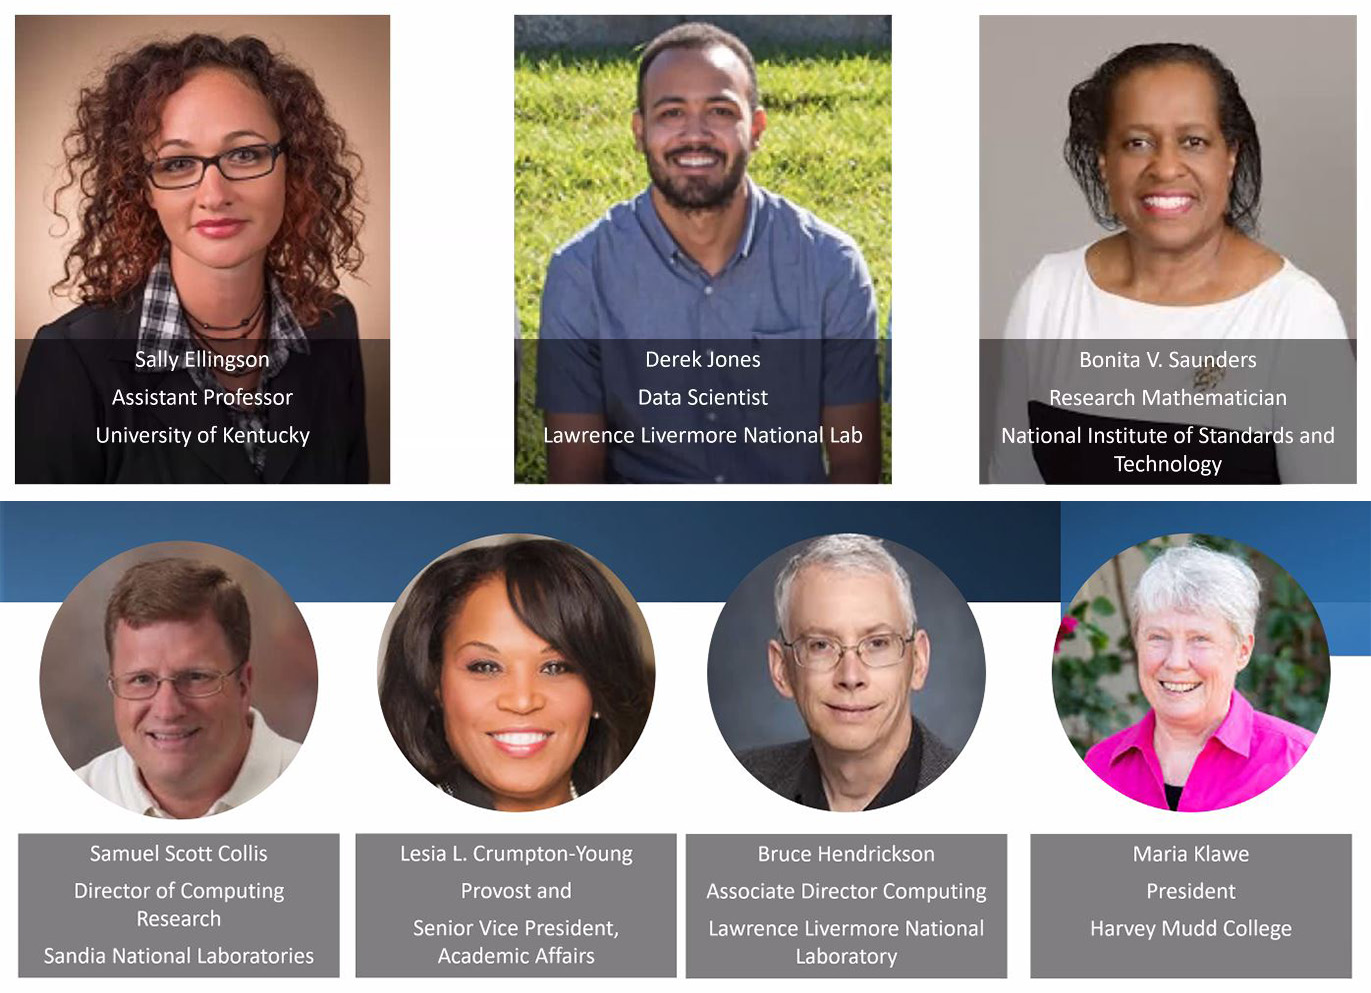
(1017, 776)
(452, 250)
(452, 260)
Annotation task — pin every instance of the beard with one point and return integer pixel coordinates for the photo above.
(697, 193)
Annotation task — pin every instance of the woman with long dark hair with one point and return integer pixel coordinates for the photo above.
(515, 676)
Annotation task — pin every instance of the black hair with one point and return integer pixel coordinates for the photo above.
(1092, 101)
(560, 594)
(698, 36)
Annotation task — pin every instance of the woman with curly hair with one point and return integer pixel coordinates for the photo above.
(217, 205)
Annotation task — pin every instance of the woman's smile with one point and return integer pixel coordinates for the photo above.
(520, 744)
(1165, 160)
(1176, 687)
(1187, 665)
(1168, 204)
(516, 710)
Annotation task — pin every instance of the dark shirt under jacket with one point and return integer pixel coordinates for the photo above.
(76, 365)
(792, 770)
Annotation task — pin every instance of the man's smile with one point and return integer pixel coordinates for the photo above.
(693, 158)
(851, 713)
(167, 739)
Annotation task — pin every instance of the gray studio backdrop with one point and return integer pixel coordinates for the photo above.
(1297, 74)
(750, 712)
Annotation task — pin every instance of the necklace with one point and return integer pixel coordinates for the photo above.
(447, 788)
(229, 344)
(208, 343)
(247, 322)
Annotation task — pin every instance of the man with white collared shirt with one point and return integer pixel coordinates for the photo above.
(178, 634)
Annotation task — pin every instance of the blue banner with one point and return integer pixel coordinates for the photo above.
(662, 550)
(1326, 548)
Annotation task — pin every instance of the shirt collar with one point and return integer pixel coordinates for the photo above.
(809, 788)
(256, 773)
(754, 200)
(1234, 732)
(163, 328)
(666, 245)
(1137, 736)
(903, 782)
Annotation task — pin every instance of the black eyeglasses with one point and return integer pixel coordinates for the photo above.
(181, 172)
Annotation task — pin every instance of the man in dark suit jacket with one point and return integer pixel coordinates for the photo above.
(849, 653)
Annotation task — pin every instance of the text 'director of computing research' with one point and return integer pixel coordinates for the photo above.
(1248, 906)
(178, 905)
(516, 905)
(908, 906)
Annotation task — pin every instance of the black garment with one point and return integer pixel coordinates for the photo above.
(78, 366)
(902, 783)
(1250, 462)
(465, 787)
(792, 770)
(1173, 795)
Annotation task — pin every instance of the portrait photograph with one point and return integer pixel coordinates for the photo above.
(1149, 183)
(516, 673)
(702, 249)
(178, 680)
(202, 249)
(1191, 673)
(846, 672)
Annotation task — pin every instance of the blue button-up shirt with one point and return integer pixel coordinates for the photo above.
(794, 310)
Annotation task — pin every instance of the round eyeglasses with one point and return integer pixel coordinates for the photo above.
(822, 653)
(181, 172)
(190, 683)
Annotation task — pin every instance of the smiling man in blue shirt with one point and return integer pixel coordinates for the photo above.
(707, 330)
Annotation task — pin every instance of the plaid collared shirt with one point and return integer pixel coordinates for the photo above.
(164, 328)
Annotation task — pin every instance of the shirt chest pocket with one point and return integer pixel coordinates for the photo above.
(765, 332)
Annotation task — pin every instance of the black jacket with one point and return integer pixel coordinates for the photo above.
(785, 768)
(76, 365)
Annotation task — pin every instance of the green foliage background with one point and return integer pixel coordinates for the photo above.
(826, 148)
(1286, 677)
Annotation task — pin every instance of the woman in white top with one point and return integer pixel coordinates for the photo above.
(1166, 151)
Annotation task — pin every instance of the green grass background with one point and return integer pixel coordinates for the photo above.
(826, 148)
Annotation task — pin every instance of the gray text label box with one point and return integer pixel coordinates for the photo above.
(516, 905)
(936, 911)
(1192, 906)
(190, 905)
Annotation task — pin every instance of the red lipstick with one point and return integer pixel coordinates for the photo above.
(220, 227)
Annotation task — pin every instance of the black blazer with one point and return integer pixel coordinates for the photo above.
(77, 363)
